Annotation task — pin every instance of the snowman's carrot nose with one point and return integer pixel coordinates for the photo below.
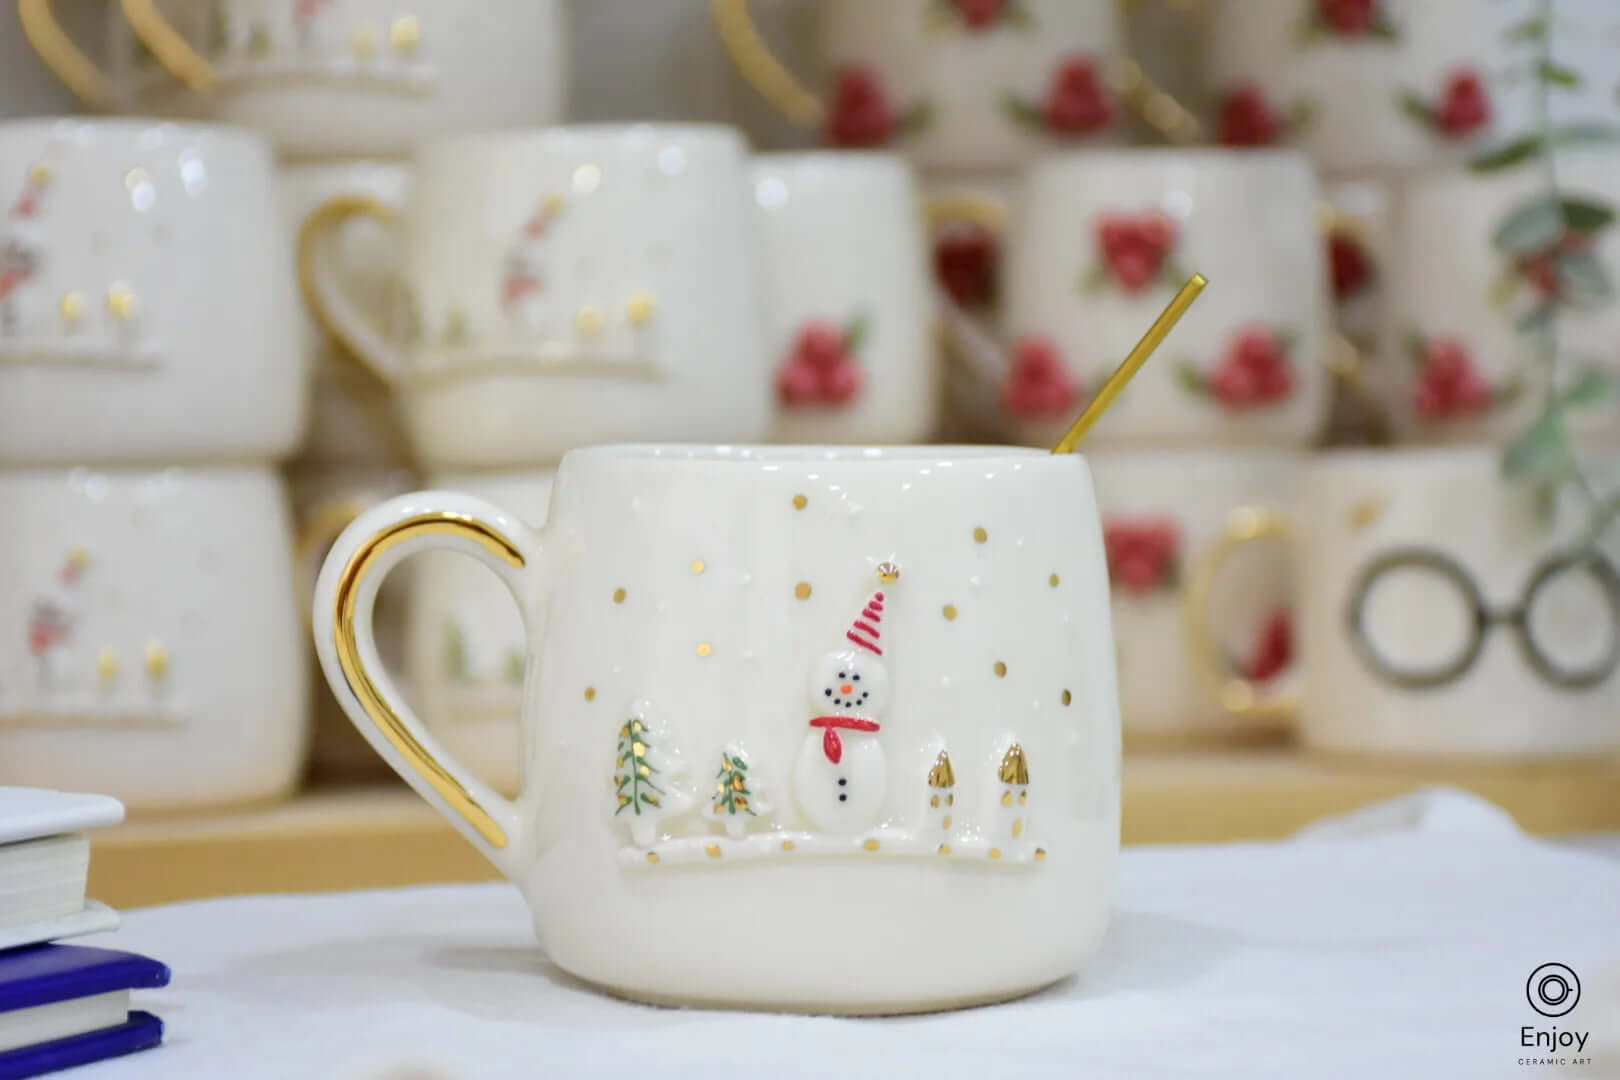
(846, 689)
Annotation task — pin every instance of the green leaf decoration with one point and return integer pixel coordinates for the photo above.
(1417, 349)
(1094, 278)
(1590, 389)
(1019, 111)
(1417, 109)
(1586, 215)
(1516, 152)
(1383, 28)
(1509, 392)
(856, 331)
(916, 119)
(1190, 378)
(1309, 31)
(1582, 279)
(1542, 454)
(1533, 29)
(1533, 226)
(1537, 318)
(1020, 16)
(1554, 74)
(1300, 115)
(1584, 135)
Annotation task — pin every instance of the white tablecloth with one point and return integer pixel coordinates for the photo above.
(1395, 943)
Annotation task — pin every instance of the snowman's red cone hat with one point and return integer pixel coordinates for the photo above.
(867, 629)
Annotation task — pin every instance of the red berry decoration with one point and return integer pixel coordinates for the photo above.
(1253, 374)
(822, 369)
(860, 114)
(1274, 650)
(1449, 387)
(1077, 102)
(980, 14)
(1464, 106)
(1142, 554)
(966, 259)
(1541, 267)
(1039, 386)
(1247, 119)
(1347, 17)
(1349, 263)
(1135, 248)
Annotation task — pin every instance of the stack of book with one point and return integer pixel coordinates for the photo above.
(62, 1005)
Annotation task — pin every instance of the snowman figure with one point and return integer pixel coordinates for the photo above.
(21, 253)
(523, 277)
(51, 622)
(841, 776)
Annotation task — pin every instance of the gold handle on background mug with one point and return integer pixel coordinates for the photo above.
(1237, 695)
(65, 59)
(776, 84)
(170, 46)
(334, 312)
(345, 598)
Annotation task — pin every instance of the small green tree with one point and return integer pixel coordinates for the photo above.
(646, 780)
(736, 798)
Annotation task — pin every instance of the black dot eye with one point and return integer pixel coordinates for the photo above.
(842, 781)
(827, 692)
(841, 675)
(857, 678)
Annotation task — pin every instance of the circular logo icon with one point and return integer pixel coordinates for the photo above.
(1553, 990)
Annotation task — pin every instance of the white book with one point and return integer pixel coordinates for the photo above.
(45, 864)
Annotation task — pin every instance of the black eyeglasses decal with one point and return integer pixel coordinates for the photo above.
(1482, 619)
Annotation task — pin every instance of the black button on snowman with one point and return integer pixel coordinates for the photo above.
(841, 775)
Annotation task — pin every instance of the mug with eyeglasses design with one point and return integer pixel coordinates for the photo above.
(1448, 613)
(1482, 619)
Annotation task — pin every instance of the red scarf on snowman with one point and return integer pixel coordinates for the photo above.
(864, 633)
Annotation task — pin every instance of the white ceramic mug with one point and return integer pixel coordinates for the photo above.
(570, 286)
(1203, 589)
(846, 298)
(353, 418)
(325, 499)
(1382, 86)
(872, 687)
(146, 299)
(1445, 615)
(960, 84)
(464, 638)
(1101, 241)
(152, 650)
(1480, 273)
(368, 78)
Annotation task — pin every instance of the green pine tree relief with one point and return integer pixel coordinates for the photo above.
(646, 780)
(735, 798)
(455, 653)
(633, 773)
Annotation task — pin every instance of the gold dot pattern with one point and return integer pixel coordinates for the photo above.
(871, 845)
(802, 590)
(590, 693)
(698, 566)
(787, 845)
(704, 649)
(1068, 698)
(1001, 670)
(979, 535)
(618, 596)
(652, 856)
(949, 612)
(800, 502)
(1054, 581)
(713, 850)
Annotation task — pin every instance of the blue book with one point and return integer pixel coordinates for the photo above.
(65, 1005)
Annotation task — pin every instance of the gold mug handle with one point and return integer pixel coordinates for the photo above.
(333, 310)
(65, 59)
(169, 45)
(345, 598)
(1238, 696)
(776, 84)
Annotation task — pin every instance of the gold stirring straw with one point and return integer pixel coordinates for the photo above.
(1138, 356)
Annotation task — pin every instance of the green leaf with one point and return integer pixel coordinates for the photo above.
(917, 118)
(1542, 453)
(1582, 278)
(1519, 150)
(1382, 27)
(1417, 109)
(1020, 111)
(1537, 318)
(1094, 279)
(1583, 135)
(1557, 75)
(1585, 215)
(1533, 29)
(855, 331)
(1308, 31)
(1530, 227)
(1188, 375)
(1300, 115)
(1591, 388)
(1020, 16)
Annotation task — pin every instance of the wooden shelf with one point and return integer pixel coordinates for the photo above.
(376, 837)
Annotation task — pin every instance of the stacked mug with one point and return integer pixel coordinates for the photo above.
(149, 382)
(1454, 602)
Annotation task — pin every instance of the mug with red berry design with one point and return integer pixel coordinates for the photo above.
(1199, 556)
(960, 84)
(1483, 266)
(1101, 241)
(845, 298)
(1447, 611)
(1374, 86)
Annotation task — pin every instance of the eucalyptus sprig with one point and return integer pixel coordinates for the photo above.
(1548, 242)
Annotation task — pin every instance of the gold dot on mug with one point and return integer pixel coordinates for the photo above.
(787, 845)
(589, 321)
(590, 693)
(871, 845)
(1001, 670)
(618, 596)
(72, 308)
(802, 590)
(698, 566)
(704, 648)
(1068, 698)
(364, 42)
(639, 308)
(1054, 581)
(800, 502)
(713, 851)
(404, 34)
(949, 611)
(652, 856)
(979, 535)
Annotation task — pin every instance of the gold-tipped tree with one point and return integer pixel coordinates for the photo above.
(737, 796)
(646, 779)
